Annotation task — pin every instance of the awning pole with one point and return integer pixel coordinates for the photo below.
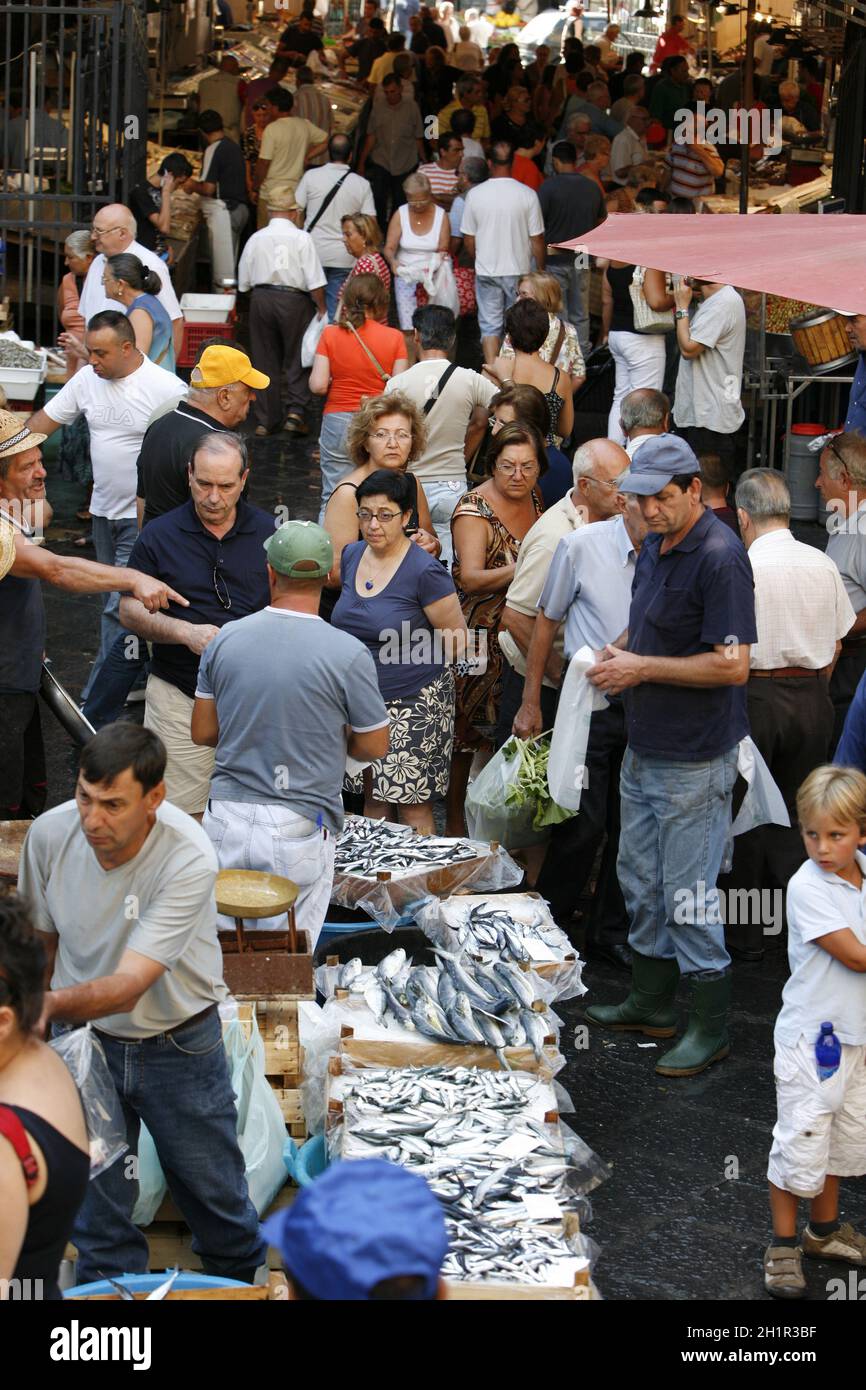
(748, 101)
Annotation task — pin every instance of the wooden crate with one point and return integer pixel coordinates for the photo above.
(275, 1291)
(169, 1239)
(278, 1024)
(380, 1052)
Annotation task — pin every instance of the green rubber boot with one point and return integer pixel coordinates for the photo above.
(649, 1007)
(706, 1037)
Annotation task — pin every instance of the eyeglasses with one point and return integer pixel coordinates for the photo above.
(382, 516)
(386, 436)
(220, 590)
(831, 445)
(611, 483)
(524, 469)
(103, 231)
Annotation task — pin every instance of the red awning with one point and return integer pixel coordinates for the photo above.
(820, 259)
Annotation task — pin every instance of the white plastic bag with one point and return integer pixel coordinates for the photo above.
(763, 803)
(310, 341)
(82, 1052)
(261, 1128)
(444, 289)
(566, 766)
(488, 814)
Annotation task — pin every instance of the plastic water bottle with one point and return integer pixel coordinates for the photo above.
(828, 1052)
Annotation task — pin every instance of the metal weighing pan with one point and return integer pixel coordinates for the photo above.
(64, 708)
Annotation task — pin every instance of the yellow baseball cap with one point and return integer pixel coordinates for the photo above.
(223, 366)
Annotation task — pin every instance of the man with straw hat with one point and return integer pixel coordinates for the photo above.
(22, 614)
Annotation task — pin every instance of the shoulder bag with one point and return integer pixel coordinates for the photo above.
(646, 319)
(386, 376)
(328, 199)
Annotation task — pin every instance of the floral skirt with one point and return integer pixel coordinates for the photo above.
(417, 765)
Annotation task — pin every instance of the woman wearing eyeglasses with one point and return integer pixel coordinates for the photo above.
(527, 404)
(401, 603)
(488, 526)
(387, 432)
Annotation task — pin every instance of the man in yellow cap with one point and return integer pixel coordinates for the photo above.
(22, 614)
(223, 385)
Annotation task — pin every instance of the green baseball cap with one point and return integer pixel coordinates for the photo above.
(295, 544)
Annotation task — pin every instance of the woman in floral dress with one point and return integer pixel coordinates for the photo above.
(488, 526)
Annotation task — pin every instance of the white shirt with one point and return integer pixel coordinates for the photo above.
(633, 445)
(355, 196)
(709, 386)
(530, 574)
(280, 254)
(117, 414)
(627, 149)
(821, 989)
(94, 299)
(502, 215)
(449, 416)
(847, 549)
(801, 607)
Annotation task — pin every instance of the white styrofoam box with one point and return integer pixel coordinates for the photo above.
(207, 308)
(22, 383)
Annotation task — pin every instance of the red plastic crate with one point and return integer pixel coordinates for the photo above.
(194, 334)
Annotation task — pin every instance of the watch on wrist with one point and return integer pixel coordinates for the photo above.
(681, 314)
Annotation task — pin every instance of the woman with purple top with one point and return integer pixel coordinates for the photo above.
(401, 603)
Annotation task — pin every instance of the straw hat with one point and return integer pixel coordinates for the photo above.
(16, 438)
(7, 546)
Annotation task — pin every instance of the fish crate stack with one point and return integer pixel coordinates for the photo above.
(389, 871)
(277, 1018)
(511, 1177)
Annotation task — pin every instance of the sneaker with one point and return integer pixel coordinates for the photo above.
(295, 424)
(846, 1244)
(783, 1272)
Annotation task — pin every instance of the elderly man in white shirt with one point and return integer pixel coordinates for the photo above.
(642, 414)
(629, 148)
(113, 231)
(281, 266)
(802, 613)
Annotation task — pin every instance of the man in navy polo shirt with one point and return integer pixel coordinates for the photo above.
(682, 665)
(215, 541)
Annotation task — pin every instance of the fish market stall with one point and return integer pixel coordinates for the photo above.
(389, 870)
(512, 1178)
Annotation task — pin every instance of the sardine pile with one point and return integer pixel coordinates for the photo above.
(448, 1124)
(14, 355)
(491, 932)
(456, 1001)
(368, 847)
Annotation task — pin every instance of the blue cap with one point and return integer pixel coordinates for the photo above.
(659, 459)
(359, 1223)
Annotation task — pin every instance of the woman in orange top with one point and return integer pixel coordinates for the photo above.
(354, 359)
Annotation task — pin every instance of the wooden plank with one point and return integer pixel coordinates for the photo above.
(253, 1293)
(490, 1293)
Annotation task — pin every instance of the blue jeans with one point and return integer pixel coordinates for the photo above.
(675, 822)
(574, 284)
(442, 495)
(333, 459)
(178, 1084)
(493, 295)
(120, 670)
(113, 542)
(335, 276)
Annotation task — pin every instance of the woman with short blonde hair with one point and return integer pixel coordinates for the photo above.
(362, 238)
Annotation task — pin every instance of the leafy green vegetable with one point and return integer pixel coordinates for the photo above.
(530, 787)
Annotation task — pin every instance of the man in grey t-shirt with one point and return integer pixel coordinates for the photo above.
(277, 692)
(121, 886)
(712, 342)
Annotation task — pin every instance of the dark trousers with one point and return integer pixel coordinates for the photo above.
(574, 844)
(791, 722)
(388, 192)
(511, 699)
(278, 321)
(844, 681)
(23, 787)
(705, 441)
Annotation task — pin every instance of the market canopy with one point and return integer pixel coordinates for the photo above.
(819, 259)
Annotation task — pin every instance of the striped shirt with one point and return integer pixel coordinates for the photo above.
(443, 182)
(690, 177)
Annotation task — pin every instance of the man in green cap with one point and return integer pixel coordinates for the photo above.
(284, 697)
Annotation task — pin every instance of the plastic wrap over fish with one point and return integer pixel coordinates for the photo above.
(420, 868)
(509, 927)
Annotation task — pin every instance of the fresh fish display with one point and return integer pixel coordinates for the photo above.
(456, 1001)
(456, 1127)
(369, 847)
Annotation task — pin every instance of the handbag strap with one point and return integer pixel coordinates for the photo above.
(557, 347)
(12, 1129)
(328, 199)
(443, 382)
(379, 368)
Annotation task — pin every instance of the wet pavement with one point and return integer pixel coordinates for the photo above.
(684, 1214)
